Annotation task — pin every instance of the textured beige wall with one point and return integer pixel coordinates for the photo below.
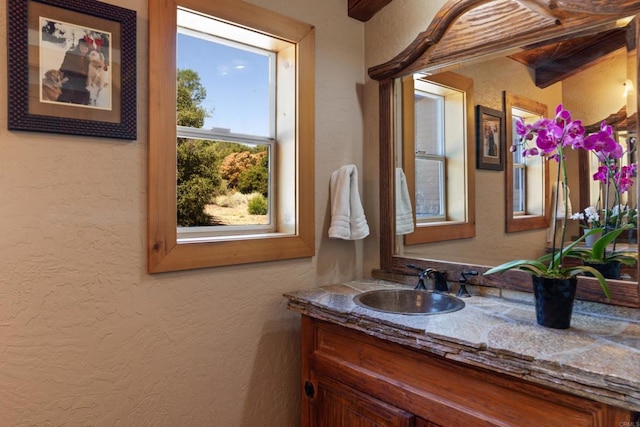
(605, 82)
(87, 337)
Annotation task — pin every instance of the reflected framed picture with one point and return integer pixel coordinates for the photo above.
(490, 138)
(72, 68)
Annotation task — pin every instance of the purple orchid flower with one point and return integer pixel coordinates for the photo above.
(603, 142)
(601, 174)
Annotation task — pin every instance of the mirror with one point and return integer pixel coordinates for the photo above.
(498, 66)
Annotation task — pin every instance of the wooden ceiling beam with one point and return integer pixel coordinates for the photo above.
(578, 58)
(363, 10)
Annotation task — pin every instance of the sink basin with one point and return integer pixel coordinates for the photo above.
(408, 301)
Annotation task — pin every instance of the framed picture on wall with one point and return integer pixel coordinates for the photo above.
(490, 138)
(72, 68)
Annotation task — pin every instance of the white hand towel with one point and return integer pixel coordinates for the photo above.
(559, 210)
(404, 212)
(347, 215)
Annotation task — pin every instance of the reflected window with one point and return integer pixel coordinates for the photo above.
(526, 177)
(429, 156)
(519, 181)
(435, 155)
(528, 173)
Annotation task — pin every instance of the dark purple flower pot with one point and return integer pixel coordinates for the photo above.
(610, 270)
(554, 301)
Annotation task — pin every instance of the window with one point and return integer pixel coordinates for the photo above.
(274, 133)
(528, 173)
(226, 131)
(430, 158)
(519, 177)
(437, 115)
(527, 178)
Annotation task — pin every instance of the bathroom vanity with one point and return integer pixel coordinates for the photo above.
(488, 364)
(485, 365)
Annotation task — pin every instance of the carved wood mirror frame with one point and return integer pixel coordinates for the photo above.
(450, 38)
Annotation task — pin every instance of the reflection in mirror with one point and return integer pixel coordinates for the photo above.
(624, 125)
(511, 82)
(490, 80)
(526, 178)
(436, 156)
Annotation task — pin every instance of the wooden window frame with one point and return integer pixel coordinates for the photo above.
(164, 251)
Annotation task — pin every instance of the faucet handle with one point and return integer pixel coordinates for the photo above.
(464, 274)
(462, 292)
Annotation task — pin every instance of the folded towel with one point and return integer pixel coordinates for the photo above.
(347, 215)
(404, 212)
(559, 210)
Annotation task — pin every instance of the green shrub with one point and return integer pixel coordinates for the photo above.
(198, 181)
(193, 196)
(257, 205)
(254, 179)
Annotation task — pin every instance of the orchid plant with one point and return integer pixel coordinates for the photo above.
(550, 137)
(590, 218)
(609, 219)
(599, 252)
(612, 175)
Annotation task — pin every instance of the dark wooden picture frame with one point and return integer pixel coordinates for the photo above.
(490, 138)
(54, 46)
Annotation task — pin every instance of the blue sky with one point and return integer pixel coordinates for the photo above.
(236, 82)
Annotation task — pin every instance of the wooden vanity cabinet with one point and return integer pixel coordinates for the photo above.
(350, 378)
(336, 404)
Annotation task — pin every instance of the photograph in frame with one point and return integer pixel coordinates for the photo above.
(490, 135)
(74, 65)
(80, 62)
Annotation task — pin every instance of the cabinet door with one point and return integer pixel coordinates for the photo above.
(337, 405)
(424, 423)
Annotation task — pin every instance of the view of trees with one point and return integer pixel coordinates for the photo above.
(246, 171)
(207, 169)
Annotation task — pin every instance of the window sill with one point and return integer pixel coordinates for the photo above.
(232, 237)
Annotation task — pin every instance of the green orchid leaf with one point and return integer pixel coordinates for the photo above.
(574, 271)
(623, 257)
(524, 264)
(532, 267)
(600, 246)
(569, 251)
(598, 252)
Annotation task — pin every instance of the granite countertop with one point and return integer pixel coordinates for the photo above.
(597, 358)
